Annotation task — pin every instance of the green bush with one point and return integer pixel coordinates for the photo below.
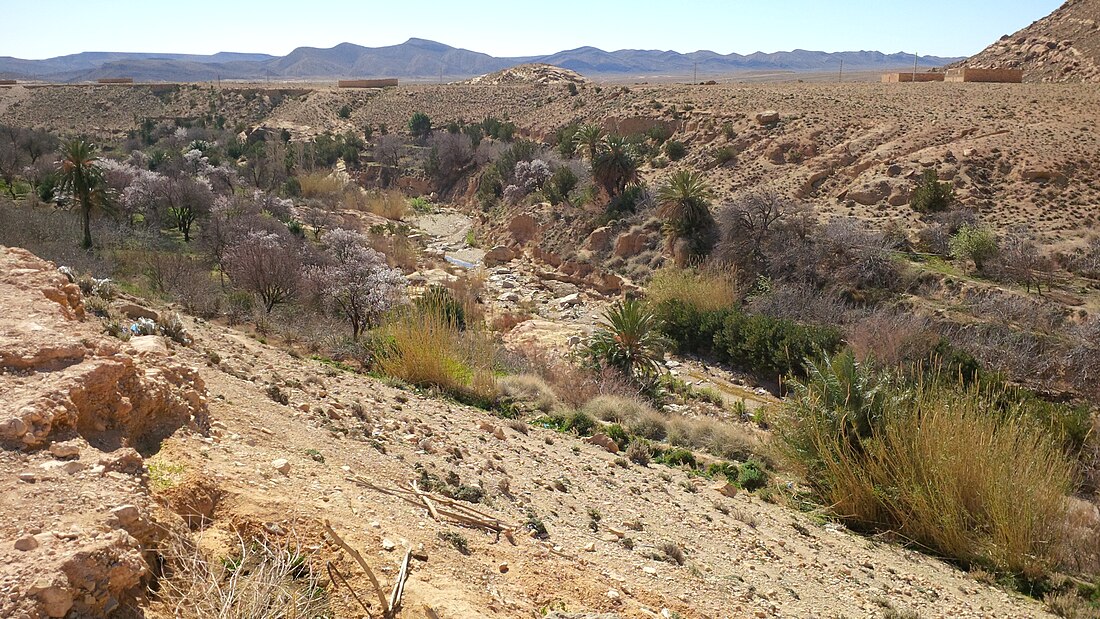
(561, 185)
(931, 196)
(675, 150)
(616, 433)
(420, 125)
(752, 475)
(344, 111)
(974, 243)
(678, 457)
(441, 301)
(768, 347)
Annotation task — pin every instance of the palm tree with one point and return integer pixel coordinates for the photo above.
(614, 166)
(629, 340)
(684, 204)
(587, 140)
(84, 179)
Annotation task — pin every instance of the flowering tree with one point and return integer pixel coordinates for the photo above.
(358, 284)
(266, 264)
(532, 175)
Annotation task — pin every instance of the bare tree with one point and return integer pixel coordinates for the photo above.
(12, 157)
(266, 264)
(387, 151)
(754, 226)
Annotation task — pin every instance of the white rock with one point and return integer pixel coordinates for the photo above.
(612, 594)
(126, 514)
(281, 465)
(388, 544)
(652, 571)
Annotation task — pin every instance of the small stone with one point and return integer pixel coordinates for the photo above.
(65, 450)
(126, 514)
(725, 489)
(281, 465)
(387, 544)
(27, 478)
(25, 543)
(73, 467)
(503, 567)
(590, 547)
(375, 524)
(652, 571)
(420, 554)
(612, 594)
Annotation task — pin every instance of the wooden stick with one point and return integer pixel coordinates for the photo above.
(424, 497)
(359, 559)
(399, 586)
(332, 570)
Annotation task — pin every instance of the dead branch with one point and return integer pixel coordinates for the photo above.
(362, 563)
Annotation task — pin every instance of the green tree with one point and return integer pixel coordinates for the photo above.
(420, 125)
(587, 139)
(84, 179)
(614, 166)
(628, 338)
(974, 243)
(931, 196)
(684, 204)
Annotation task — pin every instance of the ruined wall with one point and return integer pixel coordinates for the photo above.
(1008, 76)
(895, 78)
(382, 83)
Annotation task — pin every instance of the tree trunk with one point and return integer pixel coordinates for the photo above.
(86, 215)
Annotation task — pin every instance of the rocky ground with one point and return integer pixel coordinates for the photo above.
(94, 494)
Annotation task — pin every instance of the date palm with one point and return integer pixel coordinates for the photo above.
(614, 166)
(628, 339)
(684, 204)
(587, 140)
(84, 179)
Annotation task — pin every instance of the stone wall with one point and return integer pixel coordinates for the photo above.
(966, 74)
(895, 78)
(382, 83)
(115, 80)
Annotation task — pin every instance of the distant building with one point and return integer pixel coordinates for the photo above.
(895, 78)
(967, 74)
(115, 80)
(381, 83)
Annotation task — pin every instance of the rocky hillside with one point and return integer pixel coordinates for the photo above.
(1062, 47)
(291, 443)
(543, 74)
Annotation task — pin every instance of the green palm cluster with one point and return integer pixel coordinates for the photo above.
(84, 179)
(628, 339)
(684, 204)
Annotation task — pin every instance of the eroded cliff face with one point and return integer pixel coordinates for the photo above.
(77, 410)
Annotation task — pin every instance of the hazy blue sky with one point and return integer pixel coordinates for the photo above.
(45, 28)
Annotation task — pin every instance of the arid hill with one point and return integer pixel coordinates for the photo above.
(1062, 47)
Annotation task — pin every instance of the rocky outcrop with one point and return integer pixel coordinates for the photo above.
(74, 405)
(1062, 47)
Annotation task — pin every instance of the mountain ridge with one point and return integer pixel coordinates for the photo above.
(423, 58)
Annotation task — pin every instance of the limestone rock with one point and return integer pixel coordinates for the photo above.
(604, 441)
(134, 311)
(499, 255)
(767, 117)
(631, 243)
(67, 449)
(26, 543)
(281, 465)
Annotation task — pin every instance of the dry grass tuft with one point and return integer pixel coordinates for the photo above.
(389, 204)
(529, 388)
(705, 289)
(320, 185)
(265, 578)
(426, 349)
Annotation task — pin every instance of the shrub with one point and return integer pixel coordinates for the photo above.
(704, 289)
(265, 579)
(677, 457)
(441, 300)
(639, 452)
(425, 349)
(931, 196)
(344, 111)
(752, 475)
(977, 244)
(944, 467)
(561, 185)
(675, 150)
(529, 388)
(420, 125)
(318, 185)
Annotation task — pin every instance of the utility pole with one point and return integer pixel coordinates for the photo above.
(695, 75)
(842, 70)
(440, 72)
(914, 67)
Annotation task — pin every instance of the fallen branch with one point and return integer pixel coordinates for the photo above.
(332, 571)
(442, 507)
(362, 563)
(399, 586)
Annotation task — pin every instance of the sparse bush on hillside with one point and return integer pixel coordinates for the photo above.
(707, 288)
(931, 196)
(675, 150)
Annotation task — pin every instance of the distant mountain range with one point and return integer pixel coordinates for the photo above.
(422, 59)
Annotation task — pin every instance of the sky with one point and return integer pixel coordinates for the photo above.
(36, 29)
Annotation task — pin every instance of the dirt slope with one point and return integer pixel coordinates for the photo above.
(1062, 47)
(744, 557)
